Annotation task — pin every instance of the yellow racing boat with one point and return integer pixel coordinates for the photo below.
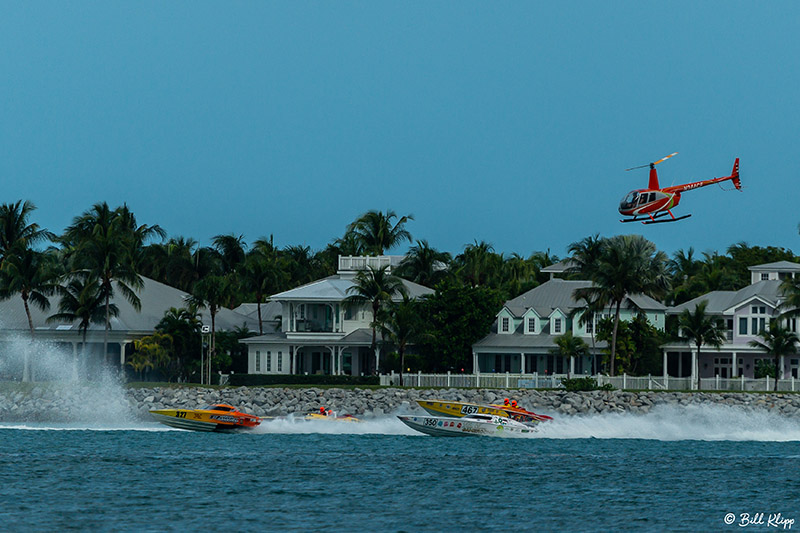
(460, 409)
(215, 417)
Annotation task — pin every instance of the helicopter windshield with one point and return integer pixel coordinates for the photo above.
(629, 200)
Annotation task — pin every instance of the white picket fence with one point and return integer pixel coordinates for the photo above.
(553, 381)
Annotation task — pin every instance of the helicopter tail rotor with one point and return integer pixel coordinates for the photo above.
(653, 164)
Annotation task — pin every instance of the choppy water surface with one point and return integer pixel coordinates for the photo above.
(671, 470)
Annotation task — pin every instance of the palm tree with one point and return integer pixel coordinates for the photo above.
(586, 255)
(31, 275)
(212, 293)
(82, 300)
(262, 276)
(479, 265)
(16, 230)
(700, 328)
(105, 247)
(401, 325)
(376, 232)
(567, 345)
(424, 265)
(232, 250)
(628, 264)
(376, 287)
(790, 287)
(778, 341)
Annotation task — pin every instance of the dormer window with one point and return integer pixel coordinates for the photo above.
(556, 325)
(531, 325)
(504, 324)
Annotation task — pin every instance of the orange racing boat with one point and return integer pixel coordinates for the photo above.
(215, 417)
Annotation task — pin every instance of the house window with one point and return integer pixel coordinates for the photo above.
(557, 325)
(531, 325)
(269, 361)
(743, 325)
(504, 324)
(590, 326)
(258, 361)
(764, 276)
(280, 362)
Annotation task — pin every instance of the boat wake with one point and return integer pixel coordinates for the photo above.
(672, 423)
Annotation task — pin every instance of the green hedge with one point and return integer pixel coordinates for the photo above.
(291, 379)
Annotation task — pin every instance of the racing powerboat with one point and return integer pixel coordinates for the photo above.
(471, 424)
(460, 409)
(215, 417)
(331, 417)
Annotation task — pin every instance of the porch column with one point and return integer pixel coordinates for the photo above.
(694, 368)
(735, 367)
(475, 367)
(571, 366)
(782, 373)
(522, 363)
(122, 353)
(664, 359)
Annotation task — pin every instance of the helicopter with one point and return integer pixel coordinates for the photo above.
(650, 204)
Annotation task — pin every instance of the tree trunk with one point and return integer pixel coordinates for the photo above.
(699, 345)
(26, 358)
(375, 306)
(777, 370)
(614, 337)
(402, 351)
(105, 331)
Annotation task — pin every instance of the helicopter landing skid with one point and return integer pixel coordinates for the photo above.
(649, 220)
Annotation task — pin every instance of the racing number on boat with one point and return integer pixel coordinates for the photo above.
(469, 409)
(180, 414)
(430, 422)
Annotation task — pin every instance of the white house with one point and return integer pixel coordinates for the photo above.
(528, 325)
(744, 314)
(318, 334)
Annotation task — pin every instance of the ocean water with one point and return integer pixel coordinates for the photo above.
(695, 469)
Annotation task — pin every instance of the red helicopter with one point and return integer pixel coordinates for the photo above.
(648, 205)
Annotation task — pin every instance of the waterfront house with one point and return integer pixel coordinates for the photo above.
(318, 334)
(744, 314)
(527, 326)
(156, 298)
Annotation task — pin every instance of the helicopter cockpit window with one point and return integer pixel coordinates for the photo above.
(642, 199)
(629, 200)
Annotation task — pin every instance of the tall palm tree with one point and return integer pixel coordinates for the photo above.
(401, 325)
(105, 247)
(790, 288)
(424, 264)
(81, 299)
(479, 265)
(31, 275)
(16, 230)
(778, 341)
(232, 250)
(212, 293)
(375, 287)
(569, 346)
(700, 328)
(262, 276)
(377, 232)
(585, 255)
(628, 265)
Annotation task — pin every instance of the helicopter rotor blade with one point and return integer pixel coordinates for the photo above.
(665, 158)
(653, 164)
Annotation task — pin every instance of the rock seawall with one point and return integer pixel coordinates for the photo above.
(52, 403)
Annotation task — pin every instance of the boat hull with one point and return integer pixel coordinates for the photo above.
(438, 426)
(460, 409)
(203, 420)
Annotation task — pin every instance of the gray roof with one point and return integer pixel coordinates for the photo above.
(559, 268)
(334, 288)
(156, 299)
(358, 337)
(777, 266)
(722, 301)
(520, 340)
(270, 315)
(557, 294)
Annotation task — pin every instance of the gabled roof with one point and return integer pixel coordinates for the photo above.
(156, 299)
(722, 302)
(778, 266)
(334, 289)
(557, 294)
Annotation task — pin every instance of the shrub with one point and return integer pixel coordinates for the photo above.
(583, 384)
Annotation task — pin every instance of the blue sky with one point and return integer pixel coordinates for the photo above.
(507, 122)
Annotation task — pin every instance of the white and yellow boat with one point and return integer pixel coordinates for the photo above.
(460, 409)
(468, 425)
(215, 417)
